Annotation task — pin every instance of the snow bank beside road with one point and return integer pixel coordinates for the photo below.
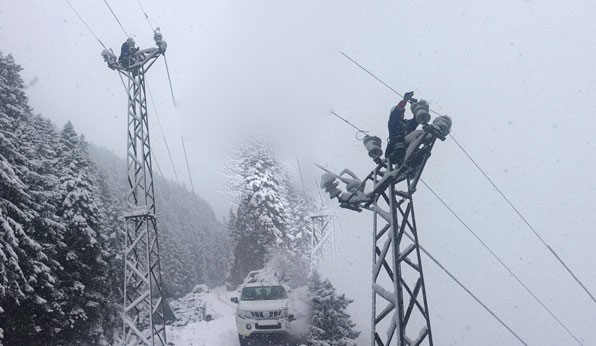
(220, 331)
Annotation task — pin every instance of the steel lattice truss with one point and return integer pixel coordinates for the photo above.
(143, 316)
(322, 237)
(399, 305)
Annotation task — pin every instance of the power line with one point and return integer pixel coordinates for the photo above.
(523, 218)
(550, 249)
(192, 186)
(164, 54)
(95, 36)
(123, 84)
(502, 263)
(169, 78)
(145, 13)
(157, 164)
(371, 74)
(115, 17)
(469, 292)
(349, 123)
(86, 25)
(162, 134)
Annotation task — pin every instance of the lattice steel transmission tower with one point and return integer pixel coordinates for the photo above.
(322, 237)
(143, 316)
(400, 314)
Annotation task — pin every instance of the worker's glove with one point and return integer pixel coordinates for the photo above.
(408, 95)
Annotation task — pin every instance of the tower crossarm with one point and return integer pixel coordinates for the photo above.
(135, 59)
(417, 155)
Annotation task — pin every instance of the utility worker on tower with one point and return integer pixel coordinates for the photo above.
(126, 52)
(398, 129)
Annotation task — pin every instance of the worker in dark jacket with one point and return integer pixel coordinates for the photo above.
(126, 52)
(398, 129)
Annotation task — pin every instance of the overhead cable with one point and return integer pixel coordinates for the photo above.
(86, 25)
(525, 220)
(550, 249)
(164, 55)
(163, 134)
(157, 164)
(192, 186)
(453, 277)
(371, 74)
(169, 79)
(502, 263)
(467, 290)
(116, 17)
(145, 13)
(349, 123)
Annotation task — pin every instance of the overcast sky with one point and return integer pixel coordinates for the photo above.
(517, 77)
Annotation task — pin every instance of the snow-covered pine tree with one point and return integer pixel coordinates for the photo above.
(39, 141)
(261, 216)
(188, 228)
(85, 271)
(329, 323)
(192, 244)
(28, 309)
(60, 260)
(233, 238)
(114, 227)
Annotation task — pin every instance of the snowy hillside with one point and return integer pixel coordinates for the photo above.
(193, 242)
(63, 203)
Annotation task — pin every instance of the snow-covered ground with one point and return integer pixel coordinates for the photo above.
(220, 331)
(191, 330)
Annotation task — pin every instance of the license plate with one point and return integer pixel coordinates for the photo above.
(268, 323)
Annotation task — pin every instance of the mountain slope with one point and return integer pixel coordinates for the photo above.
(192, 241)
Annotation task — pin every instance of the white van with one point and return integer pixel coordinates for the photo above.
(262, 310)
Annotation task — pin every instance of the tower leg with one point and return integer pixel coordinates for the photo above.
(143, 316)
(399, 304)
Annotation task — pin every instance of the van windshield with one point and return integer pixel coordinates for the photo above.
(263, 293)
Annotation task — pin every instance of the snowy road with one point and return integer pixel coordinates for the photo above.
(220, 331)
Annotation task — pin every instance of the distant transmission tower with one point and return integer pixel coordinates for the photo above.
(322, 237)
(400, 313)
(143, 315)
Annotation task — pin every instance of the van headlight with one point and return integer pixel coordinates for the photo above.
(243, 314)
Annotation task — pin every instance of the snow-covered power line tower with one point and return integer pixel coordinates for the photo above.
(144, 320)
(322, 237)
(400, 314)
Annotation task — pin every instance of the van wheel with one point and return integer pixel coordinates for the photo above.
(243, 340)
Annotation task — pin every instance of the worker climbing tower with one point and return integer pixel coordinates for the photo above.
(143, 316)
(400, 314)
